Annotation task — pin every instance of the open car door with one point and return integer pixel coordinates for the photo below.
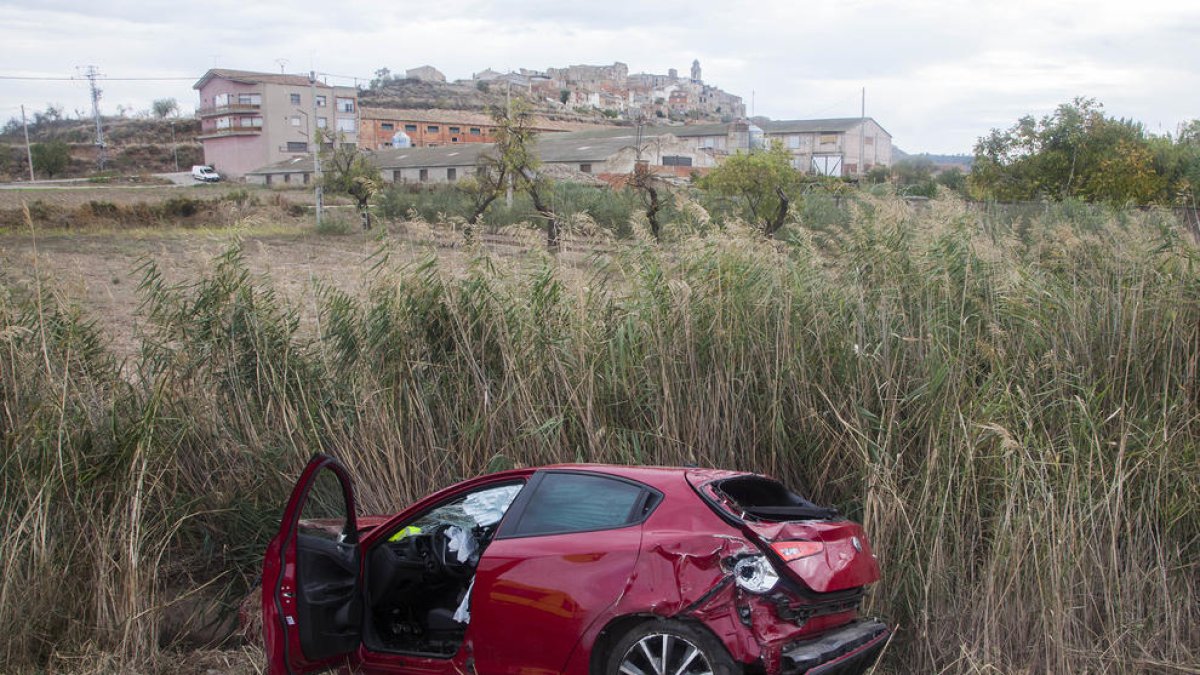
(312, 604)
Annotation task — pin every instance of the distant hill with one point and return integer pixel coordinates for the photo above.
(135, 145)
(961, 161)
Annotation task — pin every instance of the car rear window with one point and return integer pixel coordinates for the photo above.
(762, 498)
(571, 502)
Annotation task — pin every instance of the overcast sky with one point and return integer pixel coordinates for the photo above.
(938, 74)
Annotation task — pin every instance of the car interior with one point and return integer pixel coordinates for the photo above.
(765, 499)
(418, 579)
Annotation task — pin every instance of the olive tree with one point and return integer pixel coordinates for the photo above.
(757, 183)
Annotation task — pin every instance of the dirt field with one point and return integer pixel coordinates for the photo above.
(101, 270)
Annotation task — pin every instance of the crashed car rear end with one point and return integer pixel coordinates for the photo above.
(776, 578)
(577, 569)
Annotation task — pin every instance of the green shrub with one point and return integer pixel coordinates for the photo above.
(337, 222)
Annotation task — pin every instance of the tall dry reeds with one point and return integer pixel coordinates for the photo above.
(1012, 410)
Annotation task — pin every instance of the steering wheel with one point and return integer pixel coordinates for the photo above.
(445, 559)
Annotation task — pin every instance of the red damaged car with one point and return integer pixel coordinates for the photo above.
(580, 569)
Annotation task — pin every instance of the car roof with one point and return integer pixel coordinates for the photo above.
(655, 476)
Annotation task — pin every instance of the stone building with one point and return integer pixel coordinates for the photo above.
(425, 74)
(847, 146)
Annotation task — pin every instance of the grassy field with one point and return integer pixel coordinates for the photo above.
(1011, 408)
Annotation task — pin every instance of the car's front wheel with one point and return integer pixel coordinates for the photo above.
(669, 648)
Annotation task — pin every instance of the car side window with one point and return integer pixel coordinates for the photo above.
(323, 513)
(570, 502)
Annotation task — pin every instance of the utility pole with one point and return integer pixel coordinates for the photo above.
(357, 118)
(508, 193)
(91, 73)
(314, 137)
(28, 152)
(174, 145)
(862, 134)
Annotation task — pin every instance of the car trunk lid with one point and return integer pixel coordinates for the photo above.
(812, 543)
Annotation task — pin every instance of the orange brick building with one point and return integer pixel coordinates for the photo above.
(433, 128)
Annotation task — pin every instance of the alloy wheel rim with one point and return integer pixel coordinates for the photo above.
(664, 654)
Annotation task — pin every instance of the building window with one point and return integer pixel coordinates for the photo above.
(320, 101)
(793, 142)
(297, 146)
(410, 127)
(305, 178)
(387, 126)
(345, 105)
(828, 139)
(451, 175)
(345, 125)
(294, 120)
(295, 99)
(249, 99)
(431, 129)
(322, 122)
(869, 140)
(585, 168)
(455, 130)
(423, 175)
(220, 100)
(223, 122)
(474, 131)
(287, 177)
(676, 160)
(454, 139)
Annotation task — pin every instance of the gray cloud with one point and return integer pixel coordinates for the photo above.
(937, 74)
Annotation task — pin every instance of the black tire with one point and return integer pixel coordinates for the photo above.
(642, 650)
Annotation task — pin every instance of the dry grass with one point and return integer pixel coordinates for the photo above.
(1013, 412)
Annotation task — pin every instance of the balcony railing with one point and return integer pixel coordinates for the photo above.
(229, 131)
(227, 109)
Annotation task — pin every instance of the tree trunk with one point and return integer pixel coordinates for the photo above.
(477, 213)
(777, 222)
(365, 213)
(551, 220)
(652, 212)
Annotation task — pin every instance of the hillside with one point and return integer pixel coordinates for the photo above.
(135, 145)
(417, 94)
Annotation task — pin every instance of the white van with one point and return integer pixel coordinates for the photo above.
(205, 174)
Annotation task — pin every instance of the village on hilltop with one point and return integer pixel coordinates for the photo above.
(591, 119)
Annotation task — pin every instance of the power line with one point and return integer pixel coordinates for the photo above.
(109, 79)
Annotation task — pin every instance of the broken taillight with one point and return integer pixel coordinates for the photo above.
(795, 550)
(754, 573)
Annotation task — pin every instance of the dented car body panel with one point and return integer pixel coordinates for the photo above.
(554, 593)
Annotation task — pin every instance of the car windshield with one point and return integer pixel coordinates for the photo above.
(478, 509)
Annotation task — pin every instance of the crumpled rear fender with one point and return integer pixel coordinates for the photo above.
(689, 577)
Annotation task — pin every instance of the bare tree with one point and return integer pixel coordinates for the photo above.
(349, 171)
(645, 183)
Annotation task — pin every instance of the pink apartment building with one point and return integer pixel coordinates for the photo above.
(249, 120)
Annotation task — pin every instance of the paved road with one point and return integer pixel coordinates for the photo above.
(179, 179)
